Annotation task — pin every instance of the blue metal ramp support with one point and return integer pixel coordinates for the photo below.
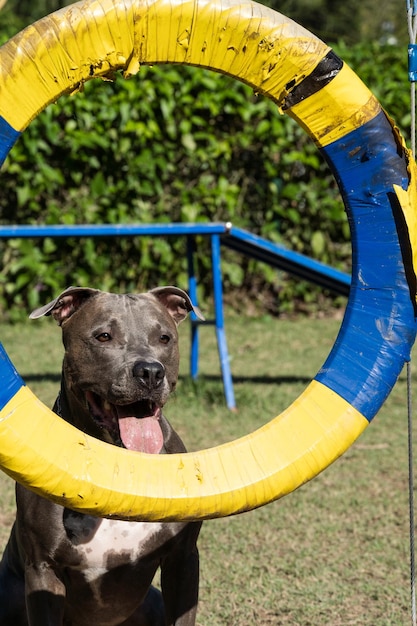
(219, 317)
(218, 320)
(192, 291)
(286, 260)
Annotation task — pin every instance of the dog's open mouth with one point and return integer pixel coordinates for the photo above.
(135, 426)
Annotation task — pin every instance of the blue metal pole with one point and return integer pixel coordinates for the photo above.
(219, 321)
(192, 290)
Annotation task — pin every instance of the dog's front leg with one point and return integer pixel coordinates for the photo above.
(45, 596)
(180, 579)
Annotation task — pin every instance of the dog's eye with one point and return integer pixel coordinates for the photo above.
(103, 337)
(164, 339)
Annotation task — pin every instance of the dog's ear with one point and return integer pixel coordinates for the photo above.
(65, 304)
(177, 302)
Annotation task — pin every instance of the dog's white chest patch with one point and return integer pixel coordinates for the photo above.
(102, 542)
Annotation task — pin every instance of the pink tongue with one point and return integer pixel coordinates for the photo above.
(142, 434)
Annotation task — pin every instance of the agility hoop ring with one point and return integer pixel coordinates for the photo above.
(377, 178)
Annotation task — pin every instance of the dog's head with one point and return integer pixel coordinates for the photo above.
(121, 359)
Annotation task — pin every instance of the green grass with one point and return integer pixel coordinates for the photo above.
(333, 553)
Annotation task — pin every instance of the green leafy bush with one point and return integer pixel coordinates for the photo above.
(176, 143)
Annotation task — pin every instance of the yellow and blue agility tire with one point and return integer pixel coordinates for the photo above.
(377, 179)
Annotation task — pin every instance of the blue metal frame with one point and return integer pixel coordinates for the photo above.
(219, 233)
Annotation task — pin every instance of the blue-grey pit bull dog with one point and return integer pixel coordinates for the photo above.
(62, 568)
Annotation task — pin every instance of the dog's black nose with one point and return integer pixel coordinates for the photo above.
(150, 374)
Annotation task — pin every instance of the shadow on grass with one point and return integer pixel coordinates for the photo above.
(35, 378)
(53, 377)
(260, 380)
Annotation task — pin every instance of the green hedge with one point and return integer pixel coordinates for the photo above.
(177, 143)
